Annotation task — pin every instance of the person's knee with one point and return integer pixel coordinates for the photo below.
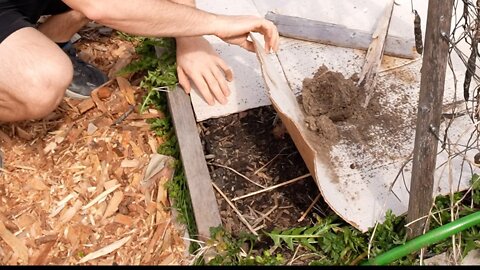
(47, 87)
(78, 16)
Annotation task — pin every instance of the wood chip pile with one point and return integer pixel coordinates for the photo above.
(85, 185)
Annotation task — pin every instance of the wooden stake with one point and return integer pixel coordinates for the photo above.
(429, 114)
(375, 54)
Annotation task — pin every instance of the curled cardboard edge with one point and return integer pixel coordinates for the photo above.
(285, 103)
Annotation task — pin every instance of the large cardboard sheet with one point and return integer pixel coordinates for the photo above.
(360, 183)
(248, 88)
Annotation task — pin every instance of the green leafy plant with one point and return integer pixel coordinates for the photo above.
(306, 236)
(160, 71)
(239, 250)
(158, 61)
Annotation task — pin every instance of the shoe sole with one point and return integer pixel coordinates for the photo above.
(74, 95)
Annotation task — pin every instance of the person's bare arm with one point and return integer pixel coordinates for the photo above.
(163, 18)
(147, 17)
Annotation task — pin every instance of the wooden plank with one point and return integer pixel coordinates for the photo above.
(338, 35)
(428, 115)
(375, 54)
(204, 203)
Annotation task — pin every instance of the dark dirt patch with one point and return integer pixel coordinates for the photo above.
(247, 142)
(332, 105)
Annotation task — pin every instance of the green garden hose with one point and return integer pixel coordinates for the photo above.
(427, 239)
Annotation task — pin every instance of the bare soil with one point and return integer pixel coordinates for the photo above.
(332, 106)
(255, 145)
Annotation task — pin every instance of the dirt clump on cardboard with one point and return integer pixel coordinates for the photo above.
(332, 107)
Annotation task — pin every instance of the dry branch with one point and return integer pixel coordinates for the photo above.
(236, 172)
(272, 187)
(310, 207)
(240, 216)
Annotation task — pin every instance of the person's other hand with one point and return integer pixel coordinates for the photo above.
(197, 61)
(235, 30)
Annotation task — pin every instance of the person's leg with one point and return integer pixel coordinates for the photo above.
(61, 28)
(35, 73)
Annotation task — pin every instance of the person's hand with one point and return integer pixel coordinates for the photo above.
(197, 61)
(235, 30)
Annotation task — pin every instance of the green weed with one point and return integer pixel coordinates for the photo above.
(161, 72)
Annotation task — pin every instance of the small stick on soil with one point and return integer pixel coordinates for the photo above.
(124, 116)
(235, 209)
(272, 187)
(264, 216)
(268, 163)
(294, 255)
(260, 227)
(239, 174)
(310, 207)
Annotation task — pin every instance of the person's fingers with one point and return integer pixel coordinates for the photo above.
(248, 45)
(202, 87)
(221, 81)
(264, 27)
(270, 34)
(226, 69)
(183, 80)
(215, 88)
(275, 39)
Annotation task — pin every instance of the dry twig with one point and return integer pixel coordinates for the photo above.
(239, 174)
(272, 187)
(310, 207)
(240, 216)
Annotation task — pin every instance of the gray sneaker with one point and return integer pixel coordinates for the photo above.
(86, 77)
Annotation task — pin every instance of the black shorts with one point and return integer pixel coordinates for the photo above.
(17, 14)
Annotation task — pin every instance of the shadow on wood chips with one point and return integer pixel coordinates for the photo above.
(254, 144)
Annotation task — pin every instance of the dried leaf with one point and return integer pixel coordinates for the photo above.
(100, 197)
(156, 165)
(105, 250)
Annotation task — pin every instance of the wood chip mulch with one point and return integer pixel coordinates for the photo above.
(85, 185)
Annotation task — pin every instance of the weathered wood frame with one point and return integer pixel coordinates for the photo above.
(199, 183)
